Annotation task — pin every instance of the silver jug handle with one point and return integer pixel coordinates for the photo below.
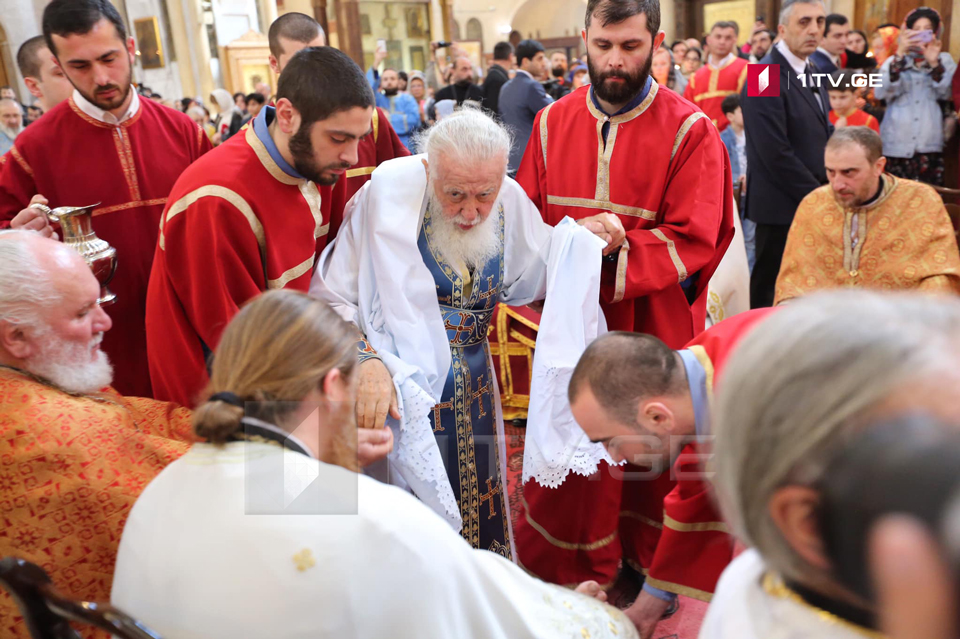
(46, 210)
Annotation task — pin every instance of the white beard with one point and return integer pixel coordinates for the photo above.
(472, 248)
(11, 133)
(68, 365)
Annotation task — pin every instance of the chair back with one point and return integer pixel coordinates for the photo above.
(47, 613)
(951, 202)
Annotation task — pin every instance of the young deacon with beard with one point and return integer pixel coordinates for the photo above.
(248, 219)
(662, 170)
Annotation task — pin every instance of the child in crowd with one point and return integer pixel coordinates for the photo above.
(843, 103)
(735, 139)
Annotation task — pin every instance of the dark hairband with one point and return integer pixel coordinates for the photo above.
(227, 398)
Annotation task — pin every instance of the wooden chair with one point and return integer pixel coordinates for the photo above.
(951, 201)
(47, 613)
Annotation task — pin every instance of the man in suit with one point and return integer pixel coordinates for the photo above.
(522, 98)
(497, 76)
(828, 56)
(786, 137)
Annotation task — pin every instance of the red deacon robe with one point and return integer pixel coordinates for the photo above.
(235, 226)
(664, 171)
(73, 159)
(710, 85)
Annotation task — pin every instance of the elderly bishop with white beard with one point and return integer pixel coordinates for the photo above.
(427, 250)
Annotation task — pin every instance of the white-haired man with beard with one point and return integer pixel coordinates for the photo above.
(76, 453)
(11, 123)
(815, 374)
(428, 249)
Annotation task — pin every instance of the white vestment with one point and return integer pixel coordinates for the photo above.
(729, 289)
(197, 561)
(743, 608)
(373, 275)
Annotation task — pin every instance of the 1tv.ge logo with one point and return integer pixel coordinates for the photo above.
(763, 80)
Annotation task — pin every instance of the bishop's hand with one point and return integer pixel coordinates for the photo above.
(33, 219)
(376, 395)
(608, 228)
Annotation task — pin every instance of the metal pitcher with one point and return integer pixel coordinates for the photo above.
(77, 230)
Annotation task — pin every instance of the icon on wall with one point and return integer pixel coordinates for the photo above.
(416, 25)
(149, 46)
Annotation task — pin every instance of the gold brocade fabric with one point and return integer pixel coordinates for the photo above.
(70, 470)
(903, 240)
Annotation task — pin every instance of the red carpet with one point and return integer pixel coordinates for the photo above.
(685, 624)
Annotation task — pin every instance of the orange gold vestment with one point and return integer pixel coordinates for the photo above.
(903, 240)
(71, 468)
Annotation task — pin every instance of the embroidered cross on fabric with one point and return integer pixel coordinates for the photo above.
(482, 389)
(460, 329)
(304, 560)
(489, 495)
(491, 291)
(436, 415)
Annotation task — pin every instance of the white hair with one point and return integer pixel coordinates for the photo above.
(787, 8)
(468, 137)
(802, 382)
(24, 293)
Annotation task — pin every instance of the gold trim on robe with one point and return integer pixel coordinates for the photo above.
(684, 129)
(686, 591)
(674, 255)
(213, 190)
(291, 275)
(264, 156)
(621, 209)
(566, 545)
(621, 283)
(22, 162)
(366, 170)
(701, 526)
(773, 585)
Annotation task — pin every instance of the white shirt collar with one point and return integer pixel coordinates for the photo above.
(799, 64)
(106, 117)
(727, 60)
(526, 73)
(833, 58)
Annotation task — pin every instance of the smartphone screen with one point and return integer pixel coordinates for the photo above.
(381, 44)
(924, 36)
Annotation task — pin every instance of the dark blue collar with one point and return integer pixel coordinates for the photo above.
(697, 380)
(261, 126)
(633, 104)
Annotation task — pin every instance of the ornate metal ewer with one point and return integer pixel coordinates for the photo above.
(77, 230)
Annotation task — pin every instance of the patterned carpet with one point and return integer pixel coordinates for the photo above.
(685, 624)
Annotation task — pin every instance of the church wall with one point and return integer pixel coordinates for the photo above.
(166, 79)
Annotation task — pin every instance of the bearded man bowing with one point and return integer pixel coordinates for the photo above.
(103, 145)
(248, 218)
(427, 250)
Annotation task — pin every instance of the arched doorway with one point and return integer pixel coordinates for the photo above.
(475, 32)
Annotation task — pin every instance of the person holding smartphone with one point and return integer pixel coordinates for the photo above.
(912, 81)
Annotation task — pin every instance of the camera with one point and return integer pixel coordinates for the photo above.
(444, 44)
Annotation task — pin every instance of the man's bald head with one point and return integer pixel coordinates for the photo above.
(291, 33)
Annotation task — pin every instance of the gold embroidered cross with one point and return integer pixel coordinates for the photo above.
(436, 415)
(304, 560)
(490, 495)
(482, 389)
(491, 291)
(466, 330)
